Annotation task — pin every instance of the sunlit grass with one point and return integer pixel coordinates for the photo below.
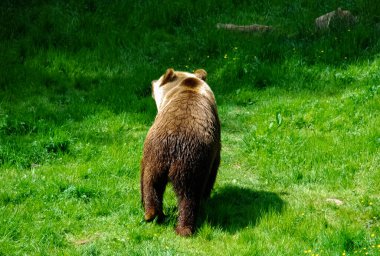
(300, 128)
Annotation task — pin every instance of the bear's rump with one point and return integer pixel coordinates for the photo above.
(190, 169)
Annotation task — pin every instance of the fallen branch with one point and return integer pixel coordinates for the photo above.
(246, 28)
(338, 19)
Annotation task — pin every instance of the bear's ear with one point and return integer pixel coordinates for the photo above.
(190, 82)
(201, 74)
(169, 76)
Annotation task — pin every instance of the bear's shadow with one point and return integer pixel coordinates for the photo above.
(233, 208)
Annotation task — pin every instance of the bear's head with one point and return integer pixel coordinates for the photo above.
(174, 81)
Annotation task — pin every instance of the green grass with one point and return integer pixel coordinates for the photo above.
(300, 114)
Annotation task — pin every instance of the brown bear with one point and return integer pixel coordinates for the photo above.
(182, 146)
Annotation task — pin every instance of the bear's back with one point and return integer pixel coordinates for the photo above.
(187, 128)
(190, 113)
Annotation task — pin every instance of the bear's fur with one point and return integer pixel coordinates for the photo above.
(182, 146)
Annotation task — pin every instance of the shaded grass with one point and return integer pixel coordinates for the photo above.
(233, 208)
(300, 125)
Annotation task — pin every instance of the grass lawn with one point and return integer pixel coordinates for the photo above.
(300, 114)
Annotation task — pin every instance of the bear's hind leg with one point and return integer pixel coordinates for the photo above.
(152, 191)
(188, 208)
(212, 177)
